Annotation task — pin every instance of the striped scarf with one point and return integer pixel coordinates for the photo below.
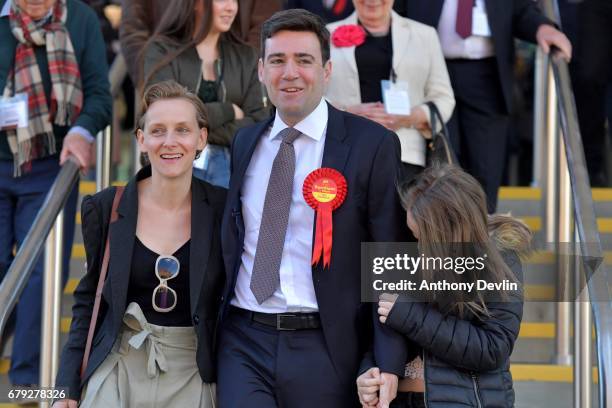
(37, 140)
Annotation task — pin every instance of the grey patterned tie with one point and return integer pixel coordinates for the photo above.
(265, 277)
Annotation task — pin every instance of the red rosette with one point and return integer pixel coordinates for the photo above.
(348, 35)
(324, 191)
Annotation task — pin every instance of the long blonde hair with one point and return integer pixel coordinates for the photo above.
(448, 206)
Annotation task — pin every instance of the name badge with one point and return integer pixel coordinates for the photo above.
(480, 22)
(396, 97)
(14, 112)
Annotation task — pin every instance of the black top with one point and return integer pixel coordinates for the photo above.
(374, 60)
(208, 91)
(143, 281)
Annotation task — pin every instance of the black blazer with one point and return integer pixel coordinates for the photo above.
(205, 277)
(368, 155)
(507, 19)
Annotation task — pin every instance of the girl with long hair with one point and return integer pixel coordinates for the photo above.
(461, 342)
(194, 45)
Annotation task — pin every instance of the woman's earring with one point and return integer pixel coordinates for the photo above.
(198, 153)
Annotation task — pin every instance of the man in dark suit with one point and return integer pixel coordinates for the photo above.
(477, 39)
(293, 334)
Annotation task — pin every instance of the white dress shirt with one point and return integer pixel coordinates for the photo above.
(453, 46)
(296, 292)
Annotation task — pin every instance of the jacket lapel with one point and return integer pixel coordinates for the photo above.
(335, 155)
(400, 36)
(201, 236)
(336, 150)
(493, 14)
(122, 235)
(242, 155)
(348, 53)
(242, 152)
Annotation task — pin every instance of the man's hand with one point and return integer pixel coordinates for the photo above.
(388, 390)
(368, 385)
(79, 147)
(548, 36)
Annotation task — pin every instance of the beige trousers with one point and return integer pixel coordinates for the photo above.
(149, 366)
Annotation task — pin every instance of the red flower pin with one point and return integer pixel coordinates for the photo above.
(348, 35)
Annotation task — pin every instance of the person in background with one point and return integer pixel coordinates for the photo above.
(328, 10)
(140, 18)
(194, 46)
(593, 81)
(477, 39)
(251, 15)
(53, 53)
(461, 342)
(154, 342)
(390, 47)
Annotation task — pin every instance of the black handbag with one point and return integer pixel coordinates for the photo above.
(439, 148)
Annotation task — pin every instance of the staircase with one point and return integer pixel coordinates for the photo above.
(537, 381)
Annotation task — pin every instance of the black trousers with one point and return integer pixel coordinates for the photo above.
(593, 70)
(261, 367)
(480, 123)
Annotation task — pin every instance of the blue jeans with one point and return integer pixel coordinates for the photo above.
(216, 169)
(20, 200)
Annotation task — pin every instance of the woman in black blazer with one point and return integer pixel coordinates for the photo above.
(155, 334)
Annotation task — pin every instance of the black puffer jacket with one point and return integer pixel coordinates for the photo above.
(466, 360)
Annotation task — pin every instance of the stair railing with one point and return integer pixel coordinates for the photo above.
(570, 219)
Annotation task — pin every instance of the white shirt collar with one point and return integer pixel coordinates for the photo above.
(312, 125)
(6, 8)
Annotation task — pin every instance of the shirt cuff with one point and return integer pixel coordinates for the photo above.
(83, 132)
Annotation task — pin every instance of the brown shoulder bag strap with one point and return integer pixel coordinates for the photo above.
(103, 271)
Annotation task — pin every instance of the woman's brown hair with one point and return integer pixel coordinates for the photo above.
(178, 28)
(449, 207)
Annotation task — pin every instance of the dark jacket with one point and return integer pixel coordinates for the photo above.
(507, 19)
(367, 155)
(236, 71)
(467, 361)
(205, 277)
(89, 49)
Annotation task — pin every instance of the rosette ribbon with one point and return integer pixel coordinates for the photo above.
(324, 191)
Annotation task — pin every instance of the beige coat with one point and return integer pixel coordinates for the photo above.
(417, 60)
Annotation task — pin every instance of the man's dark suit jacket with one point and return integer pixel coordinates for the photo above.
(507, 19)
(368, 155)
(205, 277)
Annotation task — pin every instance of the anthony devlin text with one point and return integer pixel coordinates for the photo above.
(443, 285)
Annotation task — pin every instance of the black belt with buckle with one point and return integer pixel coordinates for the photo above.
(282, 321)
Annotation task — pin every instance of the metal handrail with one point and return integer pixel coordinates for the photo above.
(19, 272)
(596, 275)
(597, 299)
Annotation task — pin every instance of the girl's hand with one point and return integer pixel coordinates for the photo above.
(385, 304)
